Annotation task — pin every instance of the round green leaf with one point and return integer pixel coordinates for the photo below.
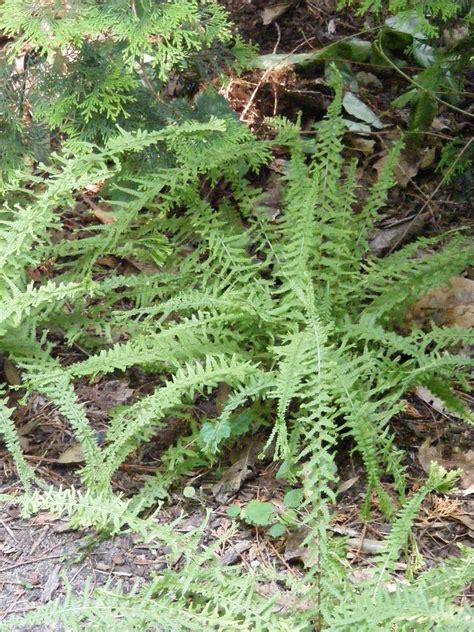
(233, 511)
(189, 492)
(240, 424)
(277, 530)
(213, 433)
(258, 513)
(293, 498)
(26, 584)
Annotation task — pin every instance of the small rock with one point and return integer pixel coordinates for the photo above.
(34, 579)
(118, 559)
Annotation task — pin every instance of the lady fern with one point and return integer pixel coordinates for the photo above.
(12, 441)
(311, 295)
(290, 310)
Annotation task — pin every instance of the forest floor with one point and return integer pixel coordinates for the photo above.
(36, 554)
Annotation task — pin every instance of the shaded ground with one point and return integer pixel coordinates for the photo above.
(305, 25)
(35, 553)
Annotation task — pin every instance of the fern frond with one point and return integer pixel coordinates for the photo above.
(376, 200)
(132, 427)
(44, 375)
(169, 346)
(17, 305)
(10, 436)
(104, 511)
(219, 603)
(292, 370)
(395, 282)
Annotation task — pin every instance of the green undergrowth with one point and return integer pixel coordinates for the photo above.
(290, 313)
(283, 308)
(196, 592)
(75, 70)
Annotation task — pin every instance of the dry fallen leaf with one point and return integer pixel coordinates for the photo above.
(465, 520)
(368, 80)
(409, 163)
(367, 545)
(450, 305)
(103, 216)
(428, 157)
(11, 373)
(457, 460)
(73, 454)
(294, 549)
(343, 487)
(427, 396)
(235, 477)
(440, 123)
(45, 517)
(388, 238)
(364, 145)
(24, 442)
(270, 14)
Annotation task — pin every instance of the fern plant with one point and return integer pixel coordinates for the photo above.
(291, 311)
(288, 310)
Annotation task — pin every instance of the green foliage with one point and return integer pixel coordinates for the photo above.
(202, 596)
(10, 437)
(258, 513)
(290, 313)
(442, 59)
(105, 512)
(436, 36)
(442, 9)
(81, 68)
(207, 594)
(286, 311)
(456, 161)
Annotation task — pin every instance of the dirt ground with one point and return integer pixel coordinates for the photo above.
(38, 554)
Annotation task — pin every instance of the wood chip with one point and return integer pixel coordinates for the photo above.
(234, 552)
(51, 585)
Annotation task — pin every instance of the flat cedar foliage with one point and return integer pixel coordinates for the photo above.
(291, 313)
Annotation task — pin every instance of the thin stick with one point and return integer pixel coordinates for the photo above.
(33, 561)
(141, 63)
